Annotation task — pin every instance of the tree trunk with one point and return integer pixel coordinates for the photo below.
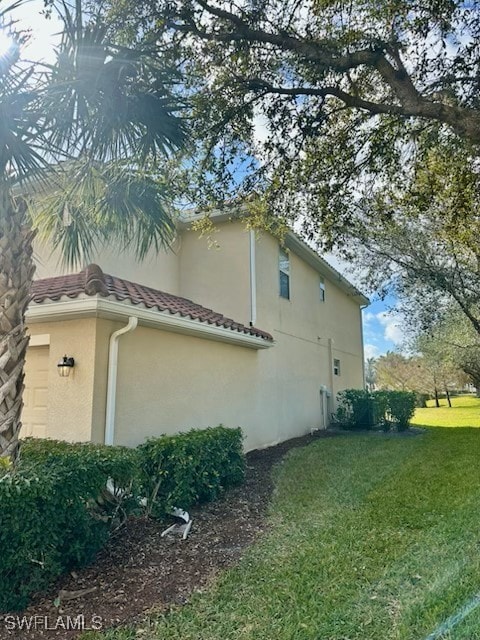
(447, 393)
(437, 402)
(16, 274)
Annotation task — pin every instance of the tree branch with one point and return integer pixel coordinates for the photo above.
(464, 121)
(315, 51)
(257, 84)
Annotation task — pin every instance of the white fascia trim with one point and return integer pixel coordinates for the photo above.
(115, 310)
(311, 257)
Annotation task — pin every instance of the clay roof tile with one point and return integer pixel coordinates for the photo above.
(92, 281)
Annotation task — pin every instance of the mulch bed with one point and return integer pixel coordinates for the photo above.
(140, 572)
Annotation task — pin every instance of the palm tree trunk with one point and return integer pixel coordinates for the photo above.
(16, 274)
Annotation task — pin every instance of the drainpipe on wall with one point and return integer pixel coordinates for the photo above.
(363, 346)
(253, 280)
(330, 359)
(112, 378)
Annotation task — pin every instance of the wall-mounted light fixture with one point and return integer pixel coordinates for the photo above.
(64, 366)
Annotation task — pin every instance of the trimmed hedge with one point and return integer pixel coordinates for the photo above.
(120, 464)
(56, 511)
(356, 409)
(187, 468)
(54, 514)
(361, 409)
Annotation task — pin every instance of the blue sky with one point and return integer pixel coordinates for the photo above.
(382, 330)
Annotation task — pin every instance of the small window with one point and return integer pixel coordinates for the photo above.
(336, 367)
(322, 290)
(284, 271)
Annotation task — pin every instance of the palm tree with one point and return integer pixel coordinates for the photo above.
(86, 134)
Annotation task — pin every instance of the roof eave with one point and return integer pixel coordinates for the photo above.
(96, 306)
(292, 241)
(300, 248)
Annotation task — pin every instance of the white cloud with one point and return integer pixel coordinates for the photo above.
(371, 351)
(392, 327)
(260, 127)
(368, 316)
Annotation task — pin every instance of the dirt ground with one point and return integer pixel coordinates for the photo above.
(139, 571)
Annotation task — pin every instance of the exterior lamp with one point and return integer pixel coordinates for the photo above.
(64, 366)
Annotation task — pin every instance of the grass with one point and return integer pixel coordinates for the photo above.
(372, 537)
(465, 412)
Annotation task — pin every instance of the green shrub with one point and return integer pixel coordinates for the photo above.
(380, 401)
(356, 409)
(360, 409)
(401, 407)
(55, 512)
(119, 464)
(183, 469)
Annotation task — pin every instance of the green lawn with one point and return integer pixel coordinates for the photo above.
(465, 412)
(372, 537)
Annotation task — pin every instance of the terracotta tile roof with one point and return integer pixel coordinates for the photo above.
(93, 281)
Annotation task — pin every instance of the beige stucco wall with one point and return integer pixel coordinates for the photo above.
(103, 331)
(169, 382)
(305, 319)
(70, 400)
(218, 276)
(160, 271)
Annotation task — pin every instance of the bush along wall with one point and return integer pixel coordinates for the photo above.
(59, 504)
(360, 409)
(53, 513)
(184, 469)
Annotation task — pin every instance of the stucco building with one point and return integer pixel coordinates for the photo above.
(245, 334)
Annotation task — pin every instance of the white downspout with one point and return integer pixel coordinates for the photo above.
(363, 346)
(112, 378)
(332, 379)
(253, 280)
(330, 358)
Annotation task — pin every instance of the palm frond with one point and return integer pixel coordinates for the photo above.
(95, 204)
(109, 101)
(83, 128)
(19, 121)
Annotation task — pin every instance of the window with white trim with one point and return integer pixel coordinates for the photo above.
(284, 274)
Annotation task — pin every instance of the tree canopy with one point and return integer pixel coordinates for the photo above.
(423, 240)
(358, 121)
(318, 103)
(89, 134)
(452, 344)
